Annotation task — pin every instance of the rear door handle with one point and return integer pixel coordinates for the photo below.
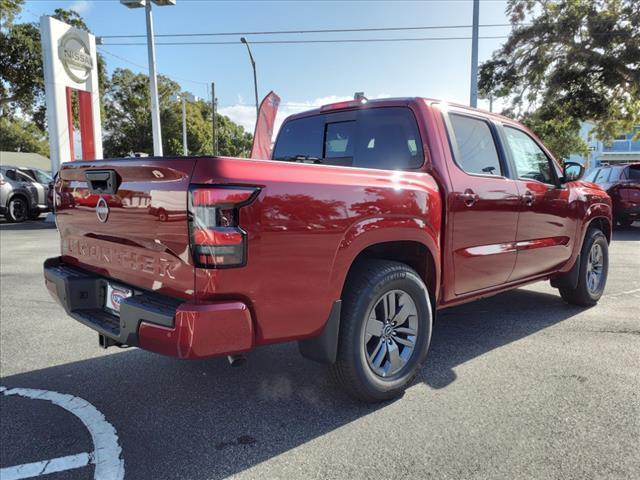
(528, 197)
(469, 197)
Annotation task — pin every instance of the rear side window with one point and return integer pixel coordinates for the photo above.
(300, 138)
(388, 139)
(474, 147)
(384, 138)
(634, 172)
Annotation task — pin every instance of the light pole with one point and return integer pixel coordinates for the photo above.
(184, 97)
(153, 80)
(473, 100)
(255, 78)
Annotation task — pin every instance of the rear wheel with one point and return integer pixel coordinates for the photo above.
(385, 331)
(592, 277)
(17, 210)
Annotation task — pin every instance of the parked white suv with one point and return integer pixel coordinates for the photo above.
(24, 193)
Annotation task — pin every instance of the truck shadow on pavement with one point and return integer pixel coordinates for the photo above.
(39, 224)
(204, 419)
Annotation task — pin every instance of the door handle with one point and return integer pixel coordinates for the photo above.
(469, 197)
(528, 197)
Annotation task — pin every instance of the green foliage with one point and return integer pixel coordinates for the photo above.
(125, 100)
(573, 60)
(21, 73)
(19, 135)
(128, 125)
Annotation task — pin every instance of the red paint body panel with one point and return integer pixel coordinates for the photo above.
(201, 331)
(306, 226)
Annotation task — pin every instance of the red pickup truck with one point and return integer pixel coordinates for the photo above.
(370, 217)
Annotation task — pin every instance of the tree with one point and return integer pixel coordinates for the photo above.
(21, 73)
(19, 135)
(574, 60)
(127, 127)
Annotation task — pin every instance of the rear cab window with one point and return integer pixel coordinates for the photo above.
(473, 144)
(383, 138)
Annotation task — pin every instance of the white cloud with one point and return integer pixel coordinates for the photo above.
(245, 115)
(80, 6)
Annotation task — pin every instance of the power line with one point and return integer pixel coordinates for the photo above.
(337, 40)
(296, 32)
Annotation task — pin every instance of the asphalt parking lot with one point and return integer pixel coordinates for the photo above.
(520, 385)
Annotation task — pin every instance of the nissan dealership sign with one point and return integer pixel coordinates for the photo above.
(70, 74)
(75, 57)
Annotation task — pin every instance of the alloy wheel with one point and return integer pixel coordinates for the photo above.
(390, 333)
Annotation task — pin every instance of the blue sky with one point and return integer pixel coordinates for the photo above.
(305, 74)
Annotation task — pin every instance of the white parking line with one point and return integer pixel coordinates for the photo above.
(107, 451)
(35, 469)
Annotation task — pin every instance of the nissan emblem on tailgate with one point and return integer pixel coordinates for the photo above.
(102, 210)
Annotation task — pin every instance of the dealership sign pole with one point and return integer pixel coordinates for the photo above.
(70, 67)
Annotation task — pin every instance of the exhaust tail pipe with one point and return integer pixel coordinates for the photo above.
(236, 360)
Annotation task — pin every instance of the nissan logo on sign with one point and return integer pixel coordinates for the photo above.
(75, 57)
(102, 210)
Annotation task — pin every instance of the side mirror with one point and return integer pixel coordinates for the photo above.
(572, 171)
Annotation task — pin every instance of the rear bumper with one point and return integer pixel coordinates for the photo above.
(151, 321)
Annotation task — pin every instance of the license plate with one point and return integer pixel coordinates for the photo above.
(115, 295)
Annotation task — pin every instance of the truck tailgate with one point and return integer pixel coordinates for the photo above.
(136, 233)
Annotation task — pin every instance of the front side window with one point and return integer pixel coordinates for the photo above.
(43, 177)
(474, 147)
(591, 176)
(603, 175)
(530, 161)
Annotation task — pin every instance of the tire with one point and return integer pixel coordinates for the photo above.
(17, 210)
(374, 288)
(589, 288)
(163, 216)
(34, 215)
(625, 222)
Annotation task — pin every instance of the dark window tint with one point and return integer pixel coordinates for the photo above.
(339, 140)
(388, 138)
(530, 161)
(385, 138)
(475, 150)
(634, 172)
(300, 138)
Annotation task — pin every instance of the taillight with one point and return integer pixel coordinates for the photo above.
(217, 241)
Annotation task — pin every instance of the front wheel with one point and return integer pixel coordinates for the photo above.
(592, 277)
(17, 210)
(385, 330)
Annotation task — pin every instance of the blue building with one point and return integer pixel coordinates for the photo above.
(621, 150)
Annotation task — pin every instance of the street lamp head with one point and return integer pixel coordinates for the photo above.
(243, 40)
(142, 3)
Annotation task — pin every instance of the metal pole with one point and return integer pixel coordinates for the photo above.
(153, 86)
(255, 77)
(184, 127)
(214, 139)
(491, 102)
(473, 101)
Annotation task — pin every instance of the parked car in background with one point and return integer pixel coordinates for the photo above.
(24, 192)
(622, 183)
